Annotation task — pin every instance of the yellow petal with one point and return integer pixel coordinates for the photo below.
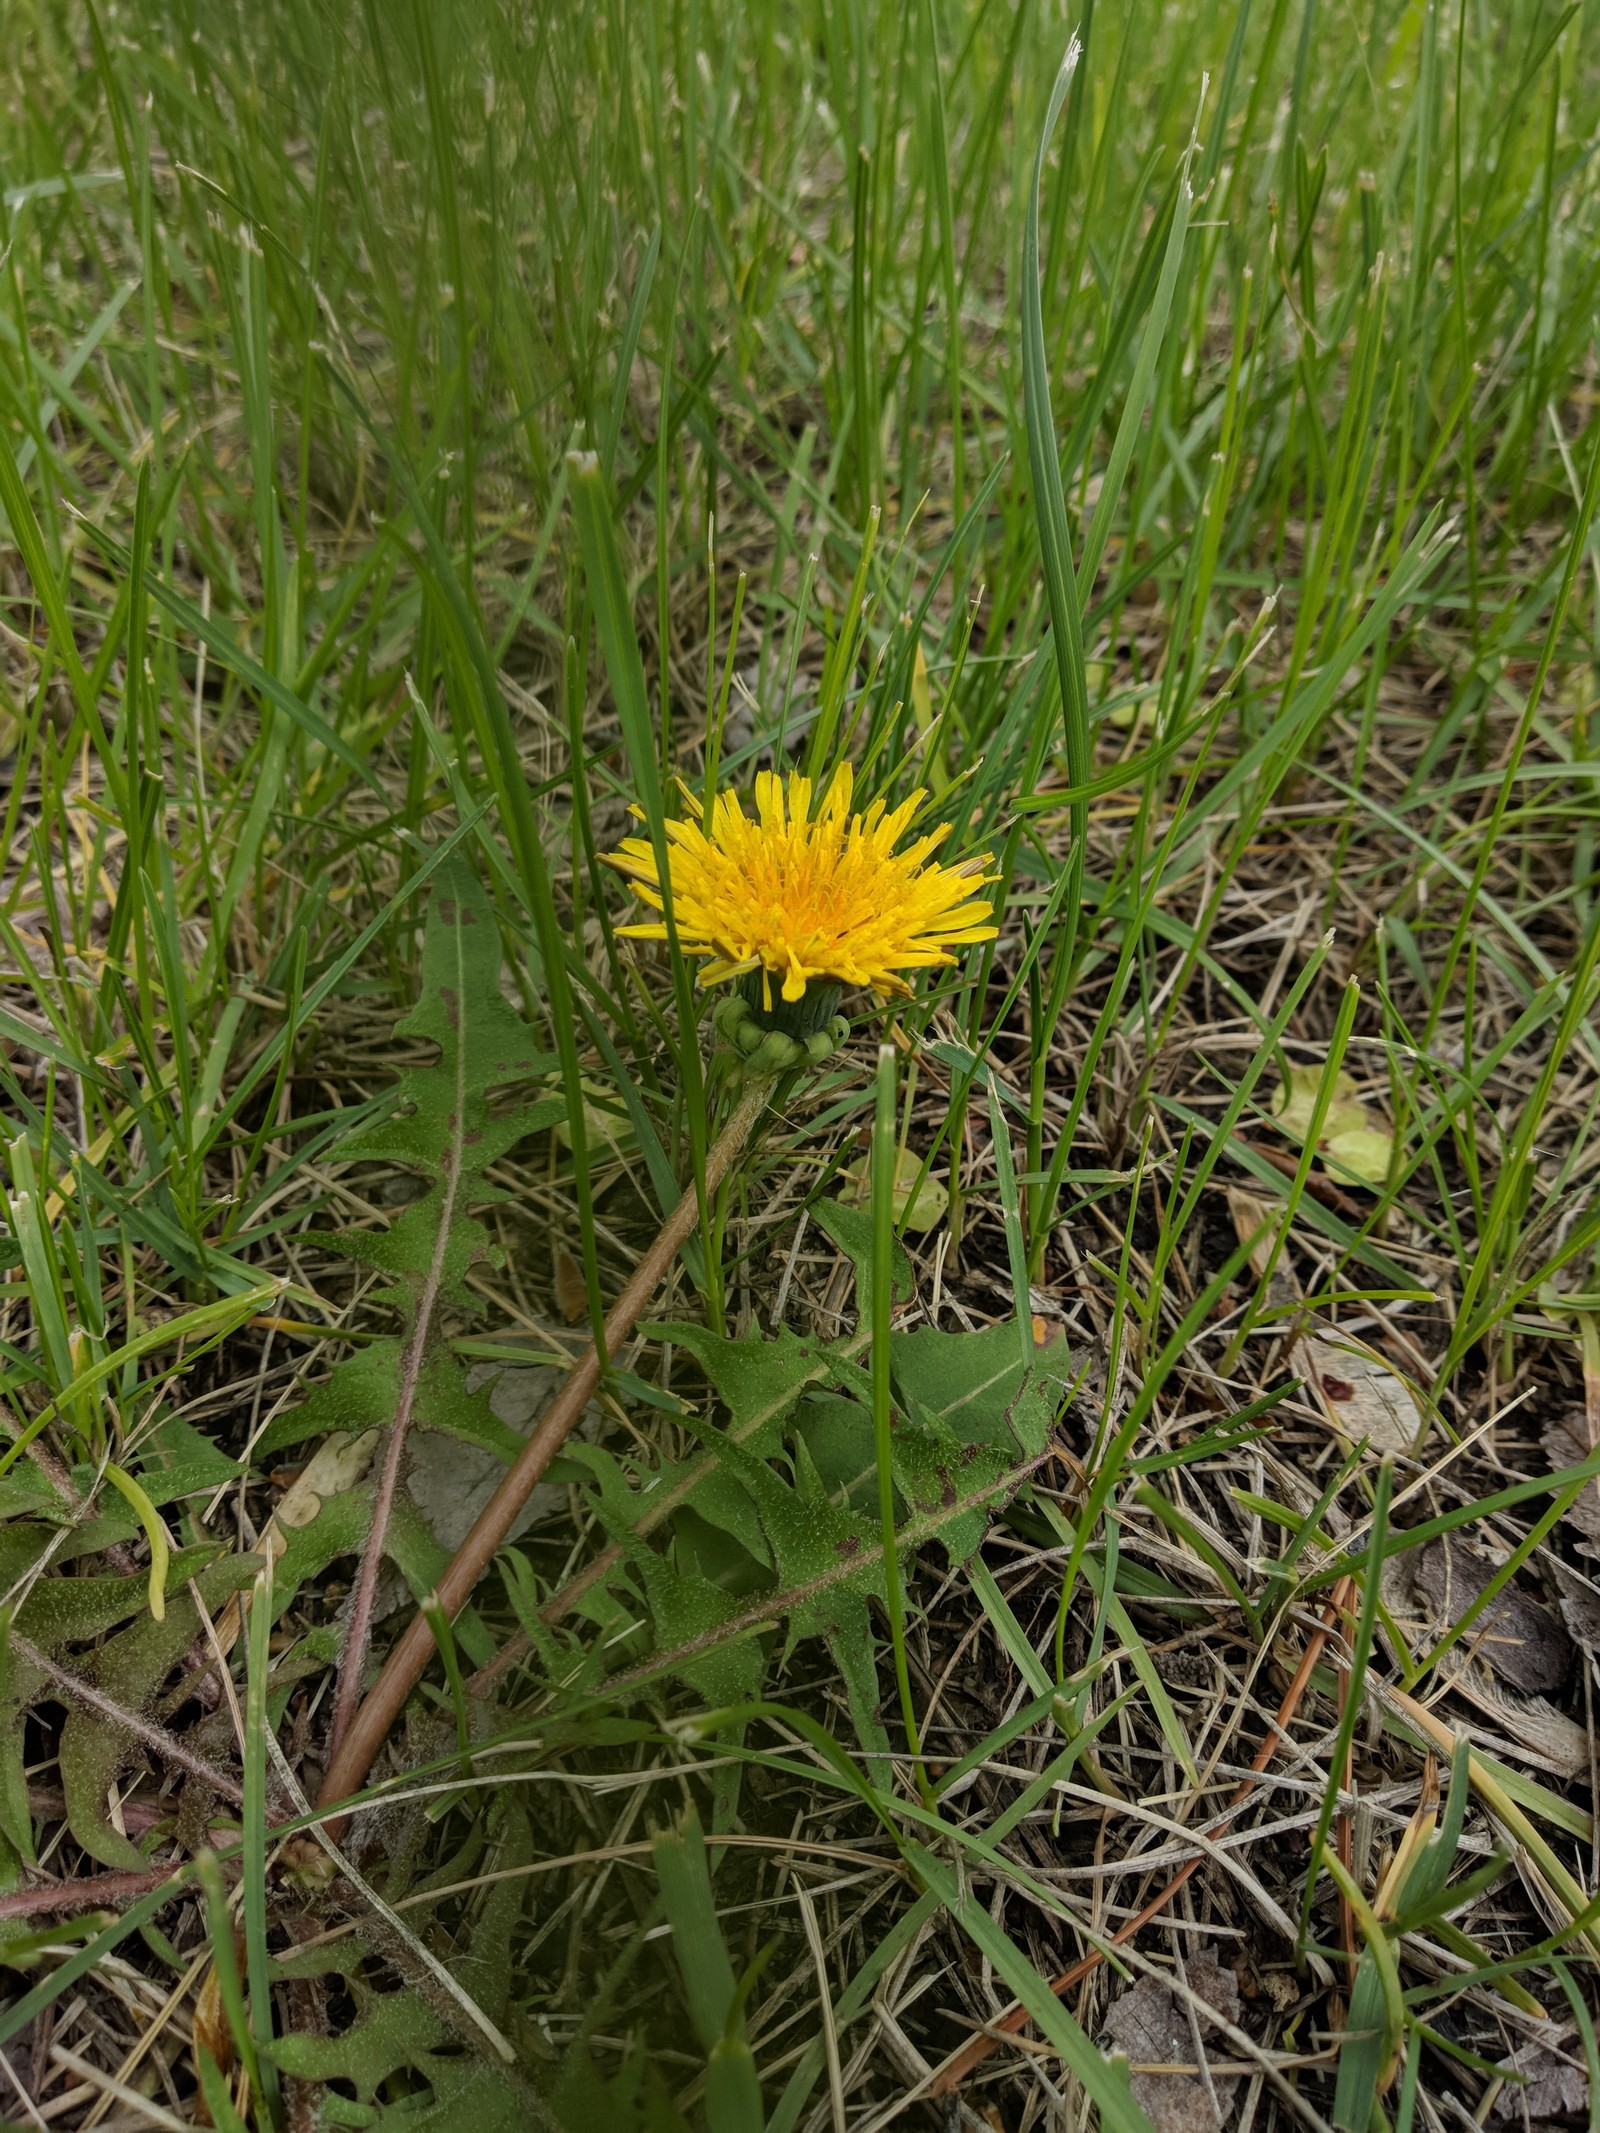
(806, 890)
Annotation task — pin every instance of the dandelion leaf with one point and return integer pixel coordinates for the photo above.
(936, 1474)
(340, 1528)
(686, 1608)
(450, 1121)
(689, 1614)
(177, 1451)
(618, 1503)
(485, 1971)
(975, 1383)
(971, 1420)
(561, 1654)
(63, 1611)
(397, 2030)
(400, 2049)
(454, 1115)
(948, 1481)
(723, 1502)
(131, 1668)
(829, 1563)
(360, 1395)
(838, 1435)
(18, 1686)
(758, 1381)
(20, 1548)
(26, 1493)
(828, 1558)
(444, 1403)
(850, 1229)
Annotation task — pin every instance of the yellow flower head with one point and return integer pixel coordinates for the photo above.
(804, 897)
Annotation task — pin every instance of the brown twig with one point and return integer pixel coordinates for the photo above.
(352, 1757)
(973, 2053)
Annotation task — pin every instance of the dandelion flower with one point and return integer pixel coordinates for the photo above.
(807, 898)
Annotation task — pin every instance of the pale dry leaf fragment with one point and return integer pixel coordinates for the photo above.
(1256, 1223)
(572, 1296)
(1151, 2028)
(1516, 1637)
(1217, 1985)
(1580, 1604)
(338, 1463)
(1548, 1736)
(1544, 1738)
(1403, 1606)
(212, 2030)
(1360, 1393)
(1545, 1898)
(1553, 2086)
(1566, 1443)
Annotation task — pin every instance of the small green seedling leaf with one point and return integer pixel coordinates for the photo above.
(917, 1207)
(1355, 1145)
(605, 1123)
(155, 1532)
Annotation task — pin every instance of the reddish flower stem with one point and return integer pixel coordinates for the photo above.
(353, 1756)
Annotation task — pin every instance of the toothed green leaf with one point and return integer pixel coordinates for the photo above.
(971, 1422)
(850, 1228)
(975, 1383)
(757, 1380)
(447, 1123)
(130, 1668)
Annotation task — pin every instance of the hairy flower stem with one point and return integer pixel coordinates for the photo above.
(99, 1892)
(353, 1755)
